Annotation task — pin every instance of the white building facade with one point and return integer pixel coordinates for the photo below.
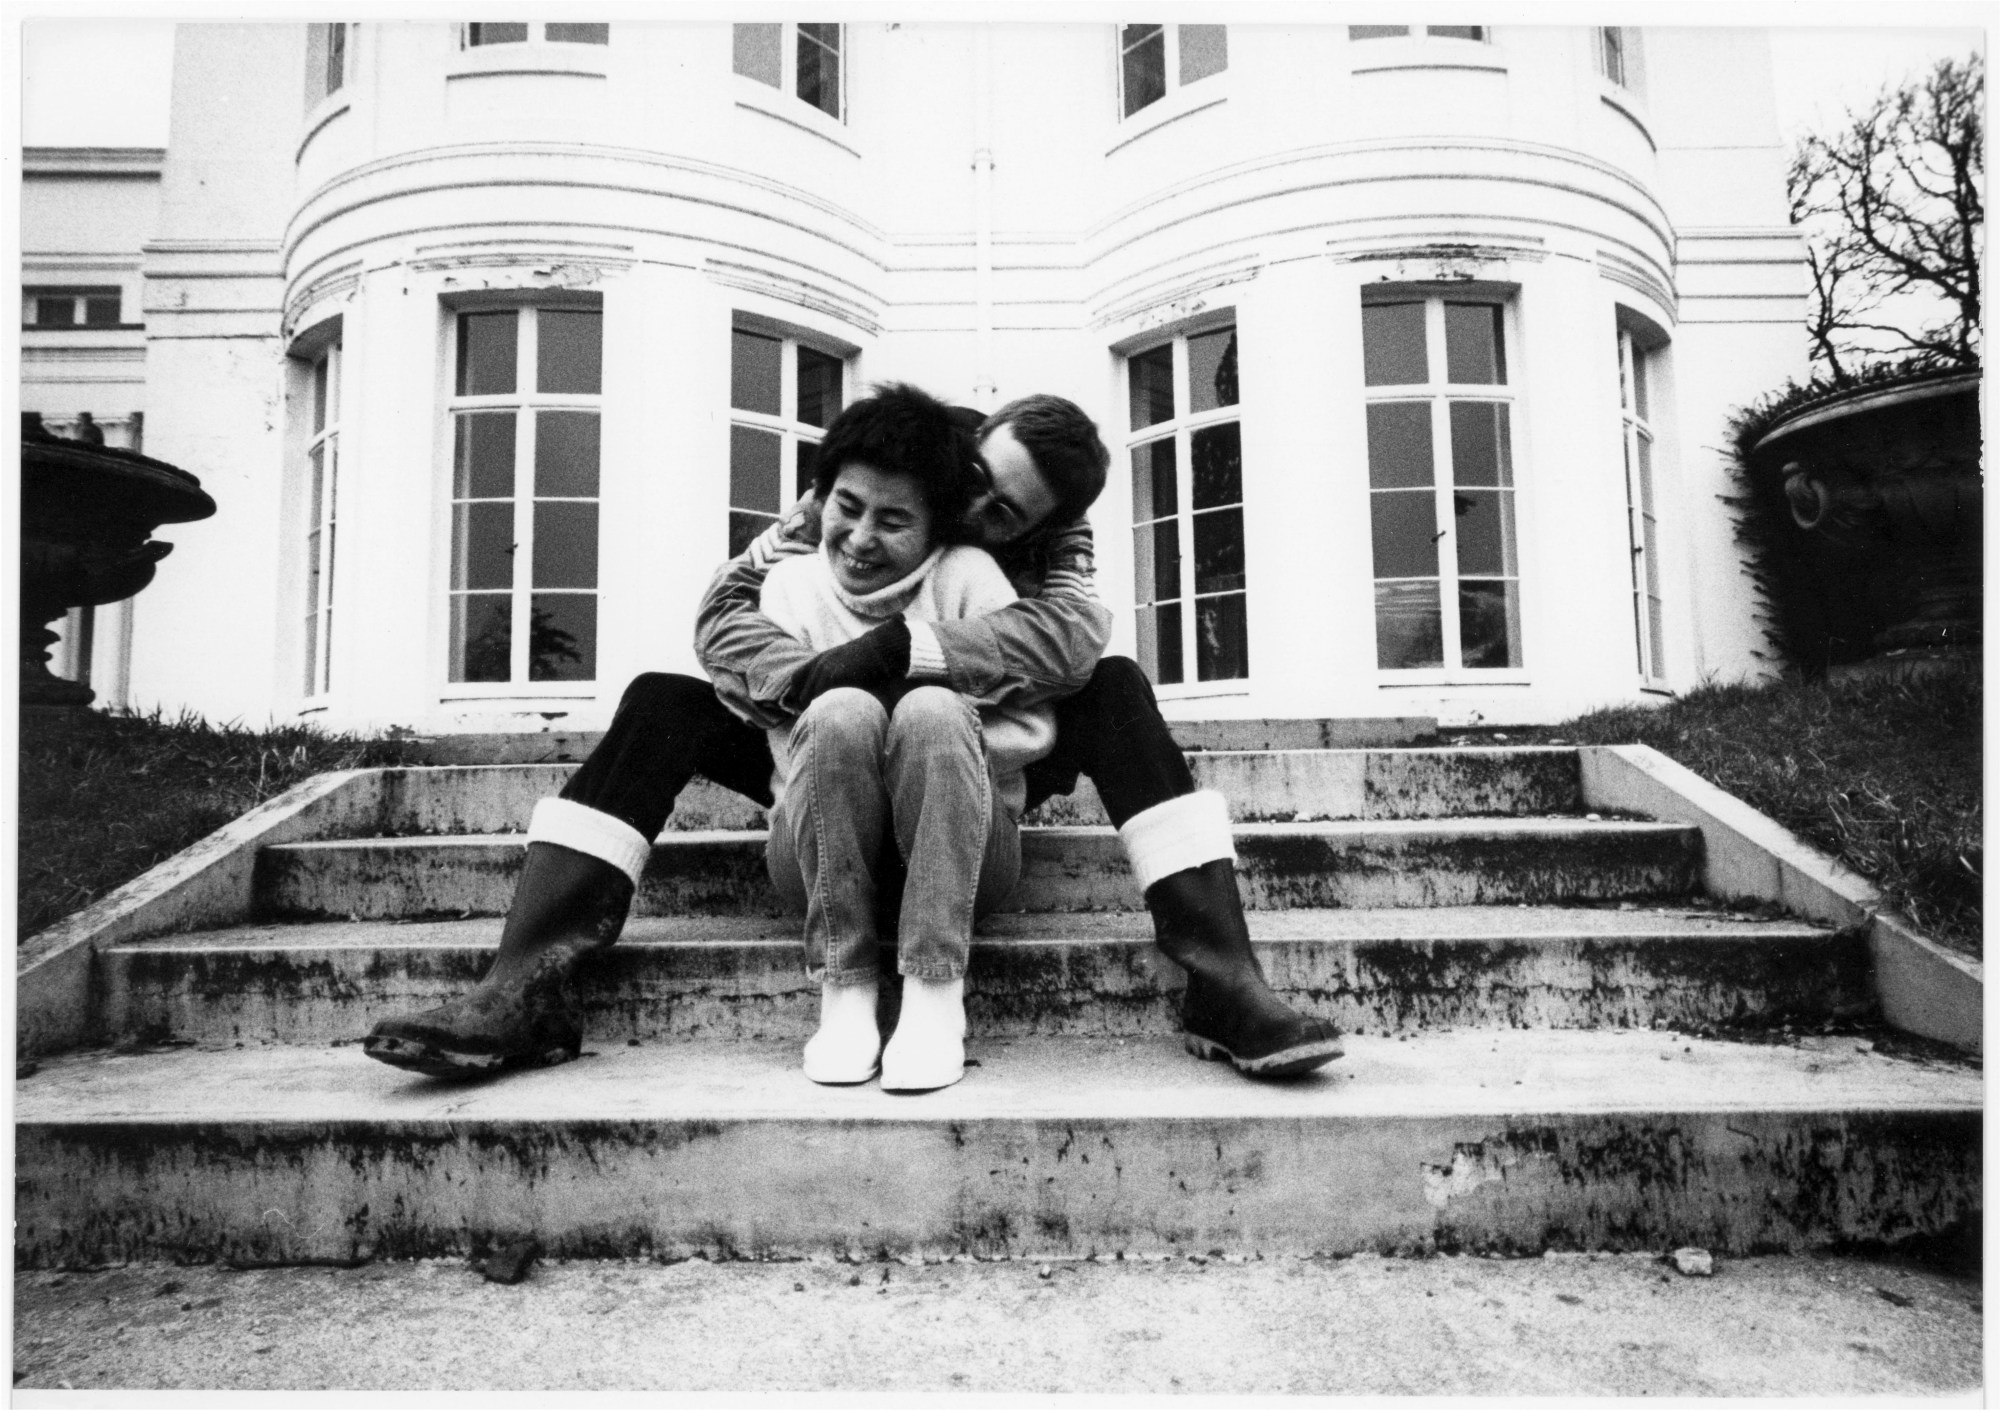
(1413, 346)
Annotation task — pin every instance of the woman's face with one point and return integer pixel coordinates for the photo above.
(877, 527)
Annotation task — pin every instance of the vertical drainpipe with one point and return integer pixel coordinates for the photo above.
(985, 390)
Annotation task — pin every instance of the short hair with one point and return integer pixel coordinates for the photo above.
(1063, 442)
(902, 430)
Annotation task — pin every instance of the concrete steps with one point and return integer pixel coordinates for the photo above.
(1375, 863)
(1477, 1140)
(1374, 970)
(1511, 970)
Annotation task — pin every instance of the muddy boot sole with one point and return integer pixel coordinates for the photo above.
(1283, 1064)
(443, 1062)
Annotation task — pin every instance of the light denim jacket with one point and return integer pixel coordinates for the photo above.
(1040, 648)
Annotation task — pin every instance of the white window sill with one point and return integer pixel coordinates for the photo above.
(322, 113)
(1382, 55)
(779, 106)
(1197, 97)
(1421, 680)
(504, 691)
(530, 57)
(1204, 690)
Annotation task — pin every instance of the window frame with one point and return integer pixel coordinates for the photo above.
(525, 402)
(537, 35)
(80, 297)
(322, 504)
(785, 423)
(1639, 441)
(1630, 65)
(789, 40)
(1421, 34)
(1435, 391)
(327, 43)
(1170, 62)
(1180, 429)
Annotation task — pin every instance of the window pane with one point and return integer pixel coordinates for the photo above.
(753, 372)
(319, 395)
(753, 469)
(488, 347)
(819, 67)
(1456, 31)
(759, 53)
(336, 57)
(1145, 66)
(569, 351)
(1154, 491)
(1204, 51)
(482, 544)
(476, 35)
(579, 34)
(1405, 533)
(1472, 348)
(1480, 453)
(1377, 31)
(1212, 370)
(1393, 351)
(1218, 551)
(745, 527)
(317, 459)
(565, 544)
(101, 311)
(819, 387)
(312, 652)
(1156, 566)
(562, 637)
(1485, 531)
(55, 311)
(1218, 465)
(484, 464)
(1168, 667)
(1221, 639)
(482, 637)
(566, 453)
(1489, 624)
(1656, 629)
(1409, 626)
(1399, 445)
(1639, 383)
(1614, 53)
(1152, 386)
(1645, 474)
(808, 460)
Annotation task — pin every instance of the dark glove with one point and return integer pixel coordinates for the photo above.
(877, 658)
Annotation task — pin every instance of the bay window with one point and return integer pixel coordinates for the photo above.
(1190, 582)
(322, 503)
(1441, 482)
(1152, 58)
(783, 394)
(526, 404)
(1641, 512)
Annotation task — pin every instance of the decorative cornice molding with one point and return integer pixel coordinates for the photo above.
(92, 161)
(790, 289)
(1622, 271)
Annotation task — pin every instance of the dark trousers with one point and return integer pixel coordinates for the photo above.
(670, 728)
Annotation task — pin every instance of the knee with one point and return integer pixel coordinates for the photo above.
(1120, 679)
(929, 710)
(845, 713)
(664, 693)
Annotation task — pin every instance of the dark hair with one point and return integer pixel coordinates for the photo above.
(904, 431)
(1064, 445)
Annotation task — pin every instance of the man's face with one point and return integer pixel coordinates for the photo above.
(1017, 499)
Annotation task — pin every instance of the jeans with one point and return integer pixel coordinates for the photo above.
(860, 773)
(670, 728)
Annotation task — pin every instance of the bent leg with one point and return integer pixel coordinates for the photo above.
(667, 729)
(1179, 842)
(828, 833)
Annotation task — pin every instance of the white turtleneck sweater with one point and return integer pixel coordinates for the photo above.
(801, 595)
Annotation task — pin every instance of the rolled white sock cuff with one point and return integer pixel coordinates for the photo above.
(1182, 833)
(927, 654)
(591, 831)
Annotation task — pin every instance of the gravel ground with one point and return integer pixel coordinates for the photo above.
(1449, 1326)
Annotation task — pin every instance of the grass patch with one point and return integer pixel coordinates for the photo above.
(1883, 775)
(104, 798)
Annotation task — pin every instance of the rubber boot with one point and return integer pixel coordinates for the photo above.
(1229, 1010)
(523, 1014)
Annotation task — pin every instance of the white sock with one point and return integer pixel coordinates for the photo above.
(848, 1046)
(928, 1048)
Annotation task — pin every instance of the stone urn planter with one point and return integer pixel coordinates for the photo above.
(87, 516)
(1883, 488)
